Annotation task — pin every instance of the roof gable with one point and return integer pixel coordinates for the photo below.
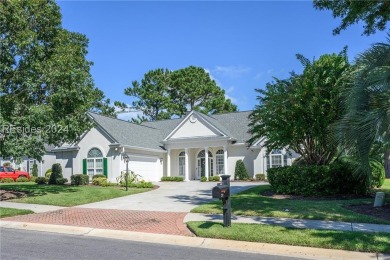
(194, 125)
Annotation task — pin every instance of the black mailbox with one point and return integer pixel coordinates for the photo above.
(221, 192)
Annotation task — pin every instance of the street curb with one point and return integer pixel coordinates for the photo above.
(197, 242)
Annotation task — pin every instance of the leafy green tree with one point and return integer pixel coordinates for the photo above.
(195, 90)
(375, 14)
(56, 173)
(296, 112)
(104, 107)
(152, 94)
(365, 126)
(45, 81)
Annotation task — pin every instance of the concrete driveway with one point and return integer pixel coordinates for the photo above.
(170, 197)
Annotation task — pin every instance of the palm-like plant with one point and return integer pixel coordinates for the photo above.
(367, 106)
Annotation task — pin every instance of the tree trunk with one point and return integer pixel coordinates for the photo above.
(387, 164)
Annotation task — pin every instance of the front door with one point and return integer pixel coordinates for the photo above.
(201, 168)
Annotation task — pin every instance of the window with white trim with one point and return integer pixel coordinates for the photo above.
(220, 162)
(275, 159)
(182, 163)
(94, 162)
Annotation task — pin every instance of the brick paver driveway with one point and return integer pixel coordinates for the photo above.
(128, 220)
(159, 211)
(170, 197)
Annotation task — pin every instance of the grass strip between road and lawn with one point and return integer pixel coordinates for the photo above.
(331, 239)
(9, 212)
(66, 195)
(251, 203)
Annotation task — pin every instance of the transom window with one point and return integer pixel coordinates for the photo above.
(220, 162)
(182, 163)
(94, 162)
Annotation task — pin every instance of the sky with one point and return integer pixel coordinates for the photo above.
(243, 45)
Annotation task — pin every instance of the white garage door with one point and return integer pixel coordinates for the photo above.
(144, 166)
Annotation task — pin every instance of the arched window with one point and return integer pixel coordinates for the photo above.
(220, 162)
(94, 152)
(94, 162)
(182, 163)
(201, 163)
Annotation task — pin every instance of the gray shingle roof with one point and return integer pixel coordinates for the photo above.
(151, 134)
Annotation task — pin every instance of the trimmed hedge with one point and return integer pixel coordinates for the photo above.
(41, 180)
(56, 173)
(7, 180)
(22, 179)
(48, 173)
(337, 178)
(172, 178)
(240, 172)
(214, 178)
(203, 179)
(141, 184)
(102, 181)
(61, 181)
(98, 176)
(79, 179)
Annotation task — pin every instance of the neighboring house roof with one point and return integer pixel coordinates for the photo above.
(150, 135)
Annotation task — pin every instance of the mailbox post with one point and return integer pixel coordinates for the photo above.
(222, 192)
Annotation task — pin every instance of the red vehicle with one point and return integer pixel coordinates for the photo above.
(9, 172)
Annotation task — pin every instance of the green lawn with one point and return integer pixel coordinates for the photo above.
(8, 212)
(66, 195)
(250, 203)
(345, 240)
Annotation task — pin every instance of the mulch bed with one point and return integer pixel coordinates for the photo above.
(10, 194)
(273, 195)
(368, 209)
(365, 209)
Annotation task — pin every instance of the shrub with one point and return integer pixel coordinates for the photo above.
(33, 178)
(132, 177)
(98, 176)
(7, 180)
(102, 181)
(203, 179)
(172, 178)
(240, 172)
(141, 184)
(337, 178)
(61, 181)
(260, 177)
(22, 179)
(79, 179)
(34, 171)
(378, 174)
(41, 180)
(7, 164)
(48, 173)
(56, 172)
(214, 178)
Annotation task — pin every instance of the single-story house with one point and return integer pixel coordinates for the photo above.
(193, 146)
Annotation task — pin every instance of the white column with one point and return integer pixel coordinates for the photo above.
(206, 165)
(169, 162)
(225, 159)
(186, 164)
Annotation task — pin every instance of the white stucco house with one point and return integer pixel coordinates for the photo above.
(193, 146)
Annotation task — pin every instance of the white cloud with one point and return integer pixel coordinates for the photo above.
(129, 115)
(231, 71)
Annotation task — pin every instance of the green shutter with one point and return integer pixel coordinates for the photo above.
(84, 166)
(105, 167)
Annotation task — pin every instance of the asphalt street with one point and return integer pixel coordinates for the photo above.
(21, 244)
